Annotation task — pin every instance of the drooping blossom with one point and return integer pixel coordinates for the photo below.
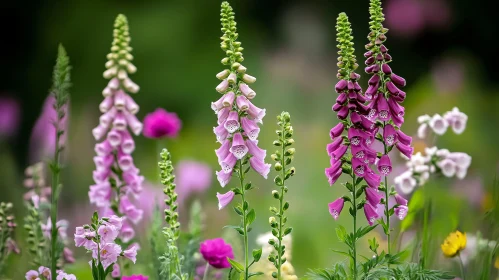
(9, 117)
(116, 177)
(225, 199)
(335, 207)
(215, 252)
(161, 123)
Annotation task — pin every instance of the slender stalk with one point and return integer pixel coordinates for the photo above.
(281, 211)
(206, 270)
(354, 227)
(461, 265)
(245, 228)
(425, 233)
(387, 209)
(54, 199)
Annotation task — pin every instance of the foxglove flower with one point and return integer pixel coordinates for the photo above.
(371, 214)
(224, 199)
(335, 207)
(114, 162)
(160, 123)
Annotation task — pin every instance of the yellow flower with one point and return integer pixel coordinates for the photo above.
(496, 263)
(453, 244)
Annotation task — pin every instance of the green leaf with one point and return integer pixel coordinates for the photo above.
(359, 180)
(288, 231)
(237, 266)
(341, 252)
(95, 272)
(238, 210)
(101, 270)
(250, 217)
(257, 254)
(251, 274)
(365, 230)
(341, 233)
(237, 228)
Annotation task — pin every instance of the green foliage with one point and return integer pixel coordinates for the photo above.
(37, 244)
(7, 227)
(336, 273)
(61, 81)
(347, 61)
(410, 271)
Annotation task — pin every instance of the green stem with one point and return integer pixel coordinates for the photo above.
(281, 211)
(206, 270)
(54, 199)
(354, 227)
(461, 265)
(245, 227)
(425, 233)
(387, 209)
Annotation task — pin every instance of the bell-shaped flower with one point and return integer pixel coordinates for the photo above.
(256, 151)
(335, 207)
(232, 122)
(337, 130)
(260, 166)
(371, 214)
(225, 199)
(239, 148)
(251, 129)
(384, 165)
(373, 196)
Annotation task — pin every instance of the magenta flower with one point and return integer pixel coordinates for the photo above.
(9, 117)
(215, 252)
(161, 123)
(135, 277)
(373, 196)
(335, 207)
(371, 214)
(385, 165)
(400, 200)
(401, 211)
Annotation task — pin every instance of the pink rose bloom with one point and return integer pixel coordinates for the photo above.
(216, 251)
(135, 277)
(161, 123)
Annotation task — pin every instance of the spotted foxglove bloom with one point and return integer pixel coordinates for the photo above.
(335, 207)
(118, 182)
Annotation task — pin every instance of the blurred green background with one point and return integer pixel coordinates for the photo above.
(443, 48)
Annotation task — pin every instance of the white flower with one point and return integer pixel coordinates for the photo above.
(457, 120)
(462, 160)
(438, 124)
(430, 151)
(442, 153)
(422, 130)
(405, 182)
(424, 119)
(448, 167)
(461, 173)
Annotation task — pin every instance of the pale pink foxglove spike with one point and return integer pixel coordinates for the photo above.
(223, 178)
(229, 99)
(372, 179)
(103, 163)
(131, 252)
(385, 165)
(256, 113)
(448, 167)
(247, 91)
(134, 181)
(223, 151)
(251, 129)
(120, 100)
(103, 149)
(127, 233)
(249, 79)
(260, 166)
(125, 161)
(232, 122)
(222, 75)
(131, 106)
(114, 138)
(224, 199)
(438, 124)
(99, 131)
(134, 123)
(222, 115)
(127, 144)
(336, 206)
(130, 85)
(422, 129)
(120, 122)
(100, 176)
(371, 214)
(218, 105)
(256, 151)
(221, 133)
(232, 79)
(223, 86)
(131, 211)
(106, 104)
(373, 196)
(107, 118)
(242, 103)
(100, 194)
(114, 84)
(107, 92)
(239, 148)
(228, 163)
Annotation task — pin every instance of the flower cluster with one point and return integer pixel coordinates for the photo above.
(161, 123)
(7, 227)
(238, 118)
(99, 238)
(439, 124)
(38, 192)
(44, 273)
(435, 160)
(117, 180)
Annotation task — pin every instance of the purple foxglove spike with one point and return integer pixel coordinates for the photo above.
(379, 57)
(350, 85)
(119, 122)
(106, 104)
(383, 49)
(114, 84)
(371, 214)
(340, 152)
(401, 211)
(229, 99)
(392, 88)
(375, 68)
(103, 163)
(357, 87)
(369, 69)
(397, 120)
(399, 81)
(127, 144)
(232, 122)
(401, 97)
(367, 137)
(387, 57)
(335, 207)
(335, 164)
(405, 150)
(256, 151)
(332, 178)
(395, 108)
(361, 108)
(100, 194)
(103, 148)
(131, 211)
(131, 105)
(370, 153)
(358, 153)
(373, 196)
(120, 100)
(331, 147)
(343, 113)
(400, 200)
(114, 138)
(374, 80)
(260, 166)
(355, 117)
(352, 105)
(340, 85)
(223, 151)
(247, 91)
(404, 138)
(107, 118)
(368, 54)
(332, 170)
(228, 163)
(361, 98)
(221, 133)
(217, 105)
(239, 148)
(367, 124)
(99, 131)
(101, 177)
(372, 114)
(134, 123)
(359, 167)
(354, 136)
(383, 109)
(372, 179)
(256, 113)
(386, 68)
(352, 95)
(223, 178)
(125, 161)
(354, 76)
(242, 103)
(371, 90)
(337, 130)
(224, 199)
(389, 135)
(222, 115)
(385, 165)
(223, 86)
(370, 60)
(341, 98)
(337, 107)
(251, 129)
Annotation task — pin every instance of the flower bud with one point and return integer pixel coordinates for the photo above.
(235, 65)
(275, 194)
(272, 220)
(225, 61)
(290, 152)
(278, 166)
(249, 79)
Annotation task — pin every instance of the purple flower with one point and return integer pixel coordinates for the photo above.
(373, 196)
(216, 251)
(135, 277)
(109, 254)
(385, 165)
(401, 211)
(239, 148)
(371, 214)
(131, 252)
(335, 207)
(224, 199)
(161, 123)
(400, 200)
(9, 117)
(405, 150)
